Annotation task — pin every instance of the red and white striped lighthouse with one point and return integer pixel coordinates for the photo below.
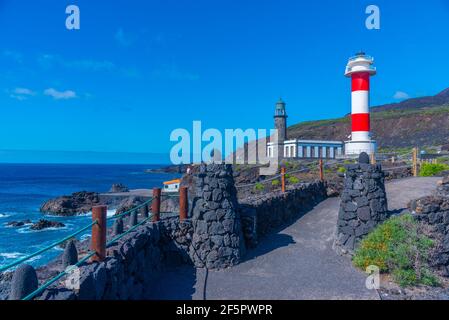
(360, 69)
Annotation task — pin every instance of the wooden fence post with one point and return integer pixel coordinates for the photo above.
(415, 162)
(183, 203)
(156, 204)
(98, 241)
(373, 158)
(321, 170)
(283, 178)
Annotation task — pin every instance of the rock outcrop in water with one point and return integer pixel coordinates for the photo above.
(40, 225)
(45, 224)
(76, 203)
(118, 188)
(17, 224)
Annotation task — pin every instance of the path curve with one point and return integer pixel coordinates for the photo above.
(295, 263)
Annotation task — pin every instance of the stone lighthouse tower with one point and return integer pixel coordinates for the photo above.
(280, 121)
(360, 69)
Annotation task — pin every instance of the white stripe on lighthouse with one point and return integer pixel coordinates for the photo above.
(360, 102)
(360, 136)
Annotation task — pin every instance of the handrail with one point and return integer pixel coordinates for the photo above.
(59, 276)
(115, 239)
(130, 210)
(17, 262)
(89, 255)
(83, 260)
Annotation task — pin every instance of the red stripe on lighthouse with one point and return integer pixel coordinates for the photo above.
(360, 81)
(360, 122)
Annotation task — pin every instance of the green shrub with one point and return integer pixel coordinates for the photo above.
(293, 180)
(275, 183)
(259, 187)
(398, 247)
(341, 170)
(432, 169)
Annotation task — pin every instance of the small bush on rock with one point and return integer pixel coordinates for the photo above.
(275, 183)
(432, 169)
(399, 247)
(259, 187)
(293, 180)
(341, 169)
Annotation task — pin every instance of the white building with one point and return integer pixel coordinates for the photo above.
(300, 149)
(308, 149)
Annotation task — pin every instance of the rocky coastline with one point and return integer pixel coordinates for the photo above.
(36, 226)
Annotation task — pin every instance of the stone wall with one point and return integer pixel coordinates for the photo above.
(363, 204)
(133, 264)
(434, 210)
(217, 240)
(263, 214)
(126, 274)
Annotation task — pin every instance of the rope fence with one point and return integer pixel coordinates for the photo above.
(99, 243)
(321, 171)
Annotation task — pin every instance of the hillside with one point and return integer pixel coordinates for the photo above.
(419, 121)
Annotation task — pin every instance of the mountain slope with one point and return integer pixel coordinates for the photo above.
(419, 121)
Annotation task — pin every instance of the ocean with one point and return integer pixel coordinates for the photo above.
(24, 187)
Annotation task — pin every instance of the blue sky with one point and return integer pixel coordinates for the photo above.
(136, 70)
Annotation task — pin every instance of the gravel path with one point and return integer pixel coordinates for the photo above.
(295, 263)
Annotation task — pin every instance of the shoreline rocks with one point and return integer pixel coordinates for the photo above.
(118, 188)
(18, 224)
(74, 204)
(36, 226)
(46, 224)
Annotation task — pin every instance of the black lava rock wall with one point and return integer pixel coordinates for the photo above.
(434, 210)
(363, 204)
(217, 240)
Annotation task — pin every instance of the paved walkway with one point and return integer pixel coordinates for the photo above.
(296, 263)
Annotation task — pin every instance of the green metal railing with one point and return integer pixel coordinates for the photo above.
(89, 255)
(42, 288)
(28, 257)
(115, 217)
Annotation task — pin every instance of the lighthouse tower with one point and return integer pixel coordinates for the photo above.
(280, 121)
(360, 69)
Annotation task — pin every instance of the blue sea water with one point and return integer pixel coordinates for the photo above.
(24, 187)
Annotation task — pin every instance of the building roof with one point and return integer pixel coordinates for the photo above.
(172, 182)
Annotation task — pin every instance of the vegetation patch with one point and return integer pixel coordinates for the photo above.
(432, 169)
(341, 170)
(293, 180)
(259, 187)
(275, 183)
(399, 247)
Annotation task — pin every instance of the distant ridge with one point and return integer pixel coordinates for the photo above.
(422, 121)
(440, 99)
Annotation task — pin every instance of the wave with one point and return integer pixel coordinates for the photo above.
(4, 215)
(28, 230)
(85, 236)
(14, 227)
(12, 255)
(109, 213)
(16, 255)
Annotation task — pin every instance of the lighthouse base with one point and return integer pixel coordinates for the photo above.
(354, 148)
